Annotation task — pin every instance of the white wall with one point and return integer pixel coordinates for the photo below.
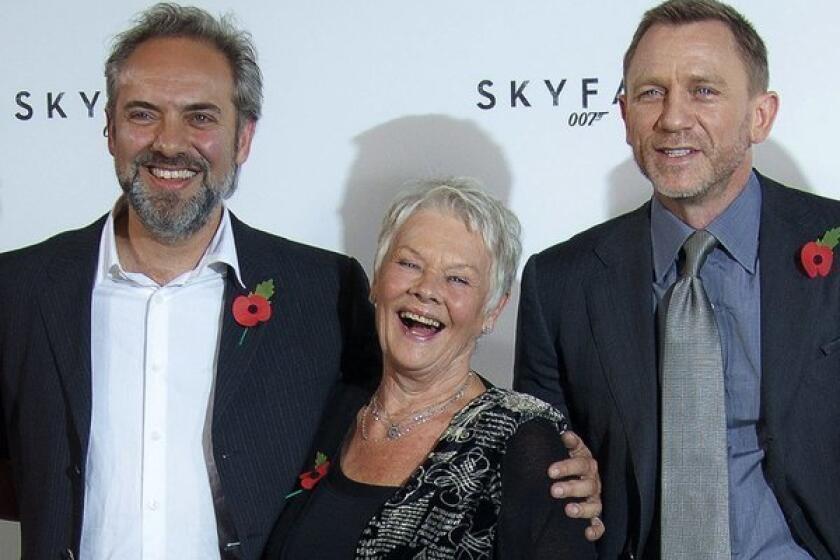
(362, 96)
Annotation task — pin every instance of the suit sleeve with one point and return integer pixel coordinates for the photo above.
(532, 524)
(537, 365)
(8, 499)
(360, 361)
(5, 454)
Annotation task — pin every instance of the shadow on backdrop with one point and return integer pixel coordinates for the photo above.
(774, 161)
(1, 200)
(629, 189)
(418, 147)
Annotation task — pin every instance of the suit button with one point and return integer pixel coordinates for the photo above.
(74, 471)
(67, 554)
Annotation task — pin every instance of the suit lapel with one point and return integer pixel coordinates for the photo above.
(236, 352)
(786, 294)
(65, 303)
(620, 304)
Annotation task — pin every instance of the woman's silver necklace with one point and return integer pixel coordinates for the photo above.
(396, 430)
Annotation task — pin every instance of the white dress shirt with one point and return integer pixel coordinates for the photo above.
(154, 351)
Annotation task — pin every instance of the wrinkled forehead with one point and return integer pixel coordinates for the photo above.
(693, 48)
(443, 233)
(177, 69)
(176, 56)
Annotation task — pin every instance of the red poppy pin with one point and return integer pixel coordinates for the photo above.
(310, 478)
(255, 308)
(817, 256)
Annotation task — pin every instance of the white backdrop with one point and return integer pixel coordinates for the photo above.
(363, 96)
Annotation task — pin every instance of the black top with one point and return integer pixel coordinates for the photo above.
(337, 512)
(531, 524)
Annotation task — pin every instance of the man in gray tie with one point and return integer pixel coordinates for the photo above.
(694, 341)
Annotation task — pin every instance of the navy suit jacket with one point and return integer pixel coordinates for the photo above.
(270, 392)
(586, 342)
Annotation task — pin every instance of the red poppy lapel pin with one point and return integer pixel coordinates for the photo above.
(255, 308)
(817, 256)
(310, 478)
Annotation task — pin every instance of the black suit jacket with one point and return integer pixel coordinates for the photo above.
(269, 392)
(586, 342)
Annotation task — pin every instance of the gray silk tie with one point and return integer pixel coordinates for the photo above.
(695, 480)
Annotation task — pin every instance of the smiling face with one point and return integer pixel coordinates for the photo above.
(688, 112)
(430, 293)
(173, 135)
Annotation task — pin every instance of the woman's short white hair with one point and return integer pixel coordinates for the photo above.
(465, 198)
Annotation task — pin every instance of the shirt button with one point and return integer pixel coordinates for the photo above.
(155, 435)
(153, 505)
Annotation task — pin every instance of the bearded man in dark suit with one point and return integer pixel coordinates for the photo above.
(696, 101)
(163, 370)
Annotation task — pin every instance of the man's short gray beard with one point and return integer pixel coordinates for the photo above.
(168, 218)
(722, 174)
(696, 194)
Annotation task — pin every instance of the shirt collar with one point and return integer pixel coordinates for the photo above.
(220, 253)
(736, 229)
(222, 250)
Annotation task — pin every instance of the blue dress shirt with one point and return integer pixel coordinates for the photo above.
(731, 277)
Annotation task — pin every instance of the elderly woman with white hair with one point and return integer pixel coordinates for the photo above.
(436, 462)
